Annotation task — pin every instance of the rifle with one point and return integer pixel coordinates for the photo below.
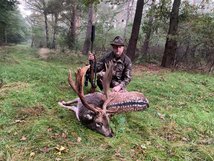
(91, 73)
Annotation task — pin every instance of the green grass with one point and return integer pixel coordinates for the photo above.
(179, 125)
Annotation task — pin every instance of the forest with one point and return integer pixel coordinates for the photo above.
(171, 45)
(174, 34)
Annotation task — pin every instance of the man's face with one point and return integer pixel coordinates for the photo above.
(118, 50)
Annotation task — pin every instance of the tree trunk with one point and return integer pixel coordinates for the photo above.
(53, 45)
(87, 42)
(148, 33)
(46, 29)
(135, 30)
(72, 29)
(171, 42)
(147, 37)
(32, 42)
(5, 35)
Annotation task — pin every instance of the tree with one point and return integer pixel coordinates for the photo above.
(129, 6)
(87, 42)
(6, 6)
(135, 30)
(72, 7)
(171, 42)
(17, 29)
(54, 7)
(41, 7)
(37, 29)
(148, 30)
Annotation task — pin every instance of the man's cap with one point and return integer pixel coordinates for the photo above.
(118, 41)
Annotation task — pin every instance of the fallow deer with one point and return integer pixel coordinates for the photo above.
(94, 110)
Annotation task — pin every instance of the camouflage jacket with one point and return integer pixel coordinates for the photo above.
(121, 71)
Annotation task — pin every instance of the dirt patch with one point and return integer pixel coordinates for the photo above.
(44, 53)
(148, 68)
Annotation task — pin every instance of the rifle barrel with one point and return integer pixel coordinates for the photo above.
(92, 37)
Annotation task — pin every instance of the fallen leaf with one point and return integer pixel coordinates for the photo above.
(143, 146)
(148, 142)
(184, 139)
(64, 135)
(19, 121)
(50, 129)
(161, 116)
(79, 139)
(60, 149)
(32, 154)
(24, 138)
(117, 153)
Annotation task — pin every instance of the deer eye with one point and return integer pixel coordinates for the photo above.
(99, 124)
(89, 117)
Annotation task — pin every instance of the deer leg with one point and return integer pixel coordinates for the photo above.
(69, 103)
(68, 106)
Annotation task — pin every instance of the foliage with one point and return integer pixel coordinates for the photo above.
(17, 28)
(12, 26)
(196, 39)
(5, 6)
(195, 28)
(177, 126)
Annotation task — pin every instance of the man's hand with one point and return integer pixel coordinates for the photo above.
(90, 56)
(117, 88)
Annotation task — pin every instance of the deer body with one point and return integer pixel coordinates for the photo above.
(94, 110)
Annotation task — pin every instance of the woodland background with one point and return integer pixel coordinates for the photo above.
(175, 34)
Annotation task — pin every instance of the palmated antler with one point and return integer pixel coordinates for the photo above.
(78, 86)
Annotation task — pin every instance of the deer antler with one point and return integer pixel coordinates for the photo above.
(107, 78)
(78, 86)
(106, 84)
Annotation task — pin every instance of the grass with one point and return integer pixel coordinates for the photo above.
(179, 124)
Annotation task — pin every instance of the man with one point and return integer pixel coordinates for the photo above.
(122, 66)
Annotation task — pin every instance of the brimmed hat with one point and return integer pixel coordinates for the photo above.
(118, 41)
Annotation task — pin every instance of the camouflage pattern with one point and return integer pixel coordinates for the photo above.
(121, 71)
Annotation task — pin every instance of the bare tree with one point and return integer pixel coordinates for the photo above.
(171, 42)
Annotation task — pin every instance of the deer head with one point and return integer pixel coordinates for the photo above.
(94, 110)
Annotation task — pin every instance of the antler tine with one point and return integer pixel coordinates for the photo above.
(78, 86)
(106, 103)
(71, 82)
(107, 78)
(106, 83)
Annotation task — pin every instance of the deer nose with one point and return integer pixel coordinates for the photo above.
(110, 135)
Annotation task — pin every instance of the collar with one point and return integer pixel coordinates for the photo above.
(122, 57)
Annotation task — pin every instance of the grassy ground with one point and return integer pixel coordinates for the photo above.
(179, 125)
